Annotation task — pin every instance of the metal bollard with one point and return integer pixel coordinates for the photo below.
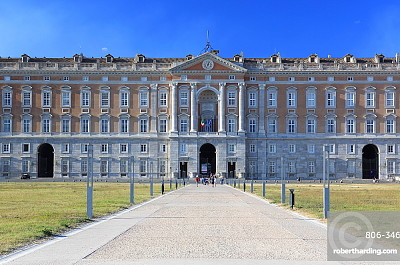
(252, 186)
(234, 183)
(283, 195)
(244, 185)
(176, 184)
(162, 187)
(263, 189)
(291, 198)
(170, 184)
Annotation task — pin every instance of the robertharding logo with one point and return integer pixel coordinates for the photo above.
(347, 231)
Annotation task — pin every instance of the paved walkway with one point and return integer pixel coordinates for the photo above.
(193, 225)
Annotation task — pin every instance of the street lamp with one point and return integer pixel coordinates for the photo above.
(326, 185)
(283, 194)
(151, 178)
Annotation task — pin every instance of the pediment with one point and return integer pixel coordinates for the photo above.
(199, 64)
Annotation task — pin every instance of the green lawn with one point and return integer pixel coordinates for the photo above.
(344, 197)
(30, 211)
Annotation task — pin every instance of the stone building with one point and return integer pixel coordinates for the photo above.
(180, 117)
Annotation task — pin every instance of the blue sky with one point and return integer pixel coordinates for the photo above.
(54, 28)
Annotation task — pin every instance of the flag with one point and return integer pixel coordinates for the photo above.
(202, 123)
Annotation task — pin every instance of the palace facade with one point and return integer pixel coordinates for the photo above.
(180, 117)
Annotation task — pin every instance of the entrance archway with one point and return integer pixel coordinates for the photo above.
(45, 161)
(207, 159)
(370, 162)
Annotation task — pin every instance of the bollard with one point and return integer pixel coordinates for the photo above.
(176, 184)
(234, 183)
(239, 184)
(283, 195)
(326, 202)
(244, 185)
(162, 187)
(263, 189)
(184, 183)
(170, 184)
(252, 186)
(291, 198)
(151, 188)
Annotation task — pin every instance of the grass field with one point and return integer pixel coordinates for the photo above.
(30, 211)
(344, 197)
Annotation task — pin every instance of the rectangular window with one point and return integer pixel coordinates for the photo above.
(143, 126)
(65, 78)
(104, 99)
(123, 125)
(310, 125)
(143, 78)
(232, 77)
(104, 148)
(123, 148)
(231, 99)
(391, 166)
(26, 99)
(231, 148)
(27, 78)
(46, 99)
(46, 125)
(143, 166)
(85, 78)
(207, 77)
(370, 126)
(124, 78)
(252, 148)
(292, 148)
(350, 126)
(370, 99)
(330, 99)
(272, 148)
(311, 79)
(84, 166)
(26, 148)
(391, 149)
(271, 98)
(123, 166)
(84, 148)
(291, 126)
(291, 167)
(252, 125)
(163, 78)
(163, 126)
(331, 78)
(104, 167)
(311, 167)
(389, 99)
(253, 78)
(7, 124)
(46, 78)
(350, 99)
(291, 99)
(65, 148)
(7, 78)
(252, 99)
(272, 79)
(163, 99)
(272, 125)
(84, 125)
(183, 77)
(66, 99)
(231, 125)
(350, 78)
(311, 99)
(64, 166)
(163, 148)
(85, 99)
(330, 125)
(370, 78)
(331, 148)
(25, 166)
(6, 148)
(143, 148)
(184, 99)
(292, 79)
(104, 78)
(351, 149)
(184, 125)
(26, 125)
(104, 126)
(183, 148)
(124, 99)
(65, 125)
(7, 99)
(272, 167)
(143, 99)
(390, 128)
(311, 148)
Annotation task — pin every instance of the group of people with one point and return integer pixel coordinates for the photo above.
(212, 179)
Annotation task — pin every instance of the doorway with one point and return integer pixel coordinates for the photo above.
(183, 169)
(370, 162)
(231, 169)
(207, 160)
(45, 161)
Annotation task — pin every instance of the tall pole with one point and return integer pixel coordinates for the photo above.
(283, 195)
(89, 183)
(132, 181)
(151, 178)
(326, 185)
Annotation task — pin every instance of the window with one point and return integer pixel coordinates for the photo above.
(330, 99)
(350, 78)
(123, 166)
(7, 98)
(311, 148)
(331, 148)
(183, 148)
(85, 125)
(232, 77)
(291, 123)
(143, 78)
(252, 148)
(272, 167)
(6, 166)
(311, 79)
(291, 99)
(351, 149)
(104, 148)
(143, 166)
(66, 98)
(271, 79)
(26, 98)
(350, 125)
(66, 125)
(370, 99)
(292, 148)
(65, 78)
(26, 125)
(272, 148)
(163, 126)
(183, 125)
(252, 99)
(123, 148)
(207, 77)
(85, 78)
(291, 167)
(26, 148)
(25, 166)
(252, 125)
(104, 125)
(64, 166)
(350, 99)
(311, 96)
(292, 79)
(84, 166)
(389, 78)
(183, 98)
(124, 78)
(84, 148)
(163, 167)
(272, 125)
(390, 125)
(391, 166)
(391, 149)
(7, 124)
(124, 99)
(143, 148)
(27, 78)
(46, 125)
(103, 167)
(65, 148)
(104, 99)
(231, 125)
(163, 99)
(163, 78)
(271, 98)
(123, 125)
(7, 78)
(143, 126)
(183, 77)
(104, 78)
(231, 98)
(163, 148)
(370, 126)
(85, 99)
(46, 99)
(330, 125)
(231, 148)
(143, 96)
(311, 125)
(331, 78)
(253, 78)
(6, 148)
(311, 167)
(370, 78)
(389, 99)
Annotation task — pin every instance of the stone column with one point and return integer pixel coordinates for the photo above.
(174, 102)
(242, 99)
(221, 107)
(193, 108)
(261, 108)
(154, 107)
